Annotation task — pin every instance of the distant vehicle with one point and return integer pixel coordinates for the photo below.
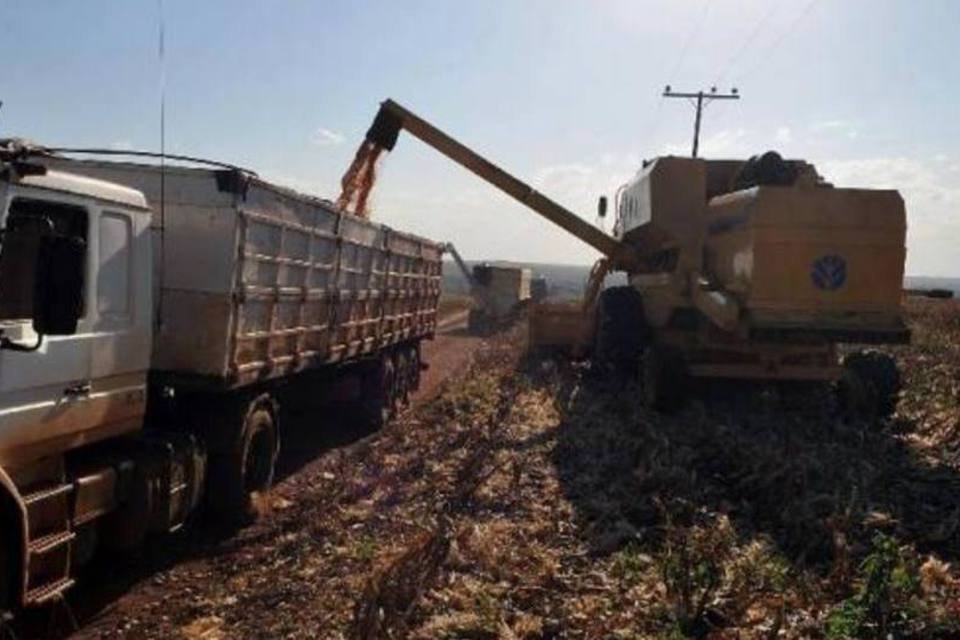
(751, 269)
(499, 291)
(152, 322)
(539, 289)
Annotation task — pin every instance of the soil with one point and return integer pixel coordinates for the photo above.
(528, 498)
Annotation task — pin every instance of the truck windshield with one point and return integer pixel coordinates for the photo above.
(27, 221)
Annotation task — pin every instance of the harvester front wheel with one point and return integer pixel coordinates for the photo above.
(619, 329)
(662, 378)
(869, 385)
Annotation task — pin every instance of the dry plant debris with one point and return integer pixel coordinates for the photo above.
(530, 501)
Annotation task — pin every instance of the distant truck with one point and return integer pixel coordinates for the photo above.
(499, 292)
(503, 291)
(152, 321)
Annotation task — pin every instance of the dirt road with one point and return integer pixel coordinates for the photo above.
(448, 354)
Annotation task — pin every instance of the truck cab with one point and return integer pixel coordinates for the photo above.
(75, 335)
(68, 385)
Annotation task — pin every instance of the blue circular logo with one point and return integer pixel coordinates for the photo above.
(829, 272)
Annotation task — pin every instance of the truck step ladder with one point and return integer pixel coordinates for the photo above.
(50, 542)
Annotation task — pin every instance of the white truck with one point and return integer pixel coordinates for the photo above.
(151, 321)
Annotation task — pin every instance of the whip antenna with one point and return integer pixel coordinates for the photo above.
(163, 164)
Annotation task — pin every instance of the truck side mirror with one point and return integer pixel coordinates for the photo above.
(58, 285)
(602, 207)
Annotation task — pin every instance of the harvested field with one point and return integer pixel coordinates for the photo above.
(527, 500)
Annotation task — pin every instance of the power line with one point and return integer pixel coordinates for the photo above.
(692, 34)
(778, 40)
(161, 61)
(702, 99)
(746, 42)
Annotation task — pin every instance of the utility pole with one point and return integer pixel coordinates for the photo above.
(702, 99)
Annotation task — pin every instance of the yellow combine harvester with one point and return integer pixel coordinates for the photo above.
(752, 269)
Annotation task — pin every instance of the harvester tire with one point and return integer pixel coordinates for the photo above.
(869, 385)
(662, 378)
(235, 477)
(620, 330)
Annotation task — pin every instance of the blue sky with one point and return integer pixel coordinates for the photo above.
(565, 94)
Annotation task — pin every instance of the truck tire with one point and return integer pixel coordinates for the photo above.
(6, 573)
(378, 393)
(662, 378)
(620, 330)
(236, 476)
(404, 380)
(869, 386)
(415, 366)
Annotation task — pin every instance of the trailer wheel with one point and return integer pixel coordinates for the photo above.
(662, 378)
(869, 385)
(620, 330)
(415, 366)
(235, 477)
(378, 394)
(404, 380)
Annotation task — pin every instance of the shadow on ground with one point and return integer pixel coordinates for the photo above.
(776, 461)
(307, 433)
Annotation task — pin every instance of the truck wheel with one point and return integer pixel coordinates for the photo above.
(6, 573)
(378, 394)
(236, 476)
(413, 361)
(619, 330)
(404, 381)
(869, 385)
(662, 378)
